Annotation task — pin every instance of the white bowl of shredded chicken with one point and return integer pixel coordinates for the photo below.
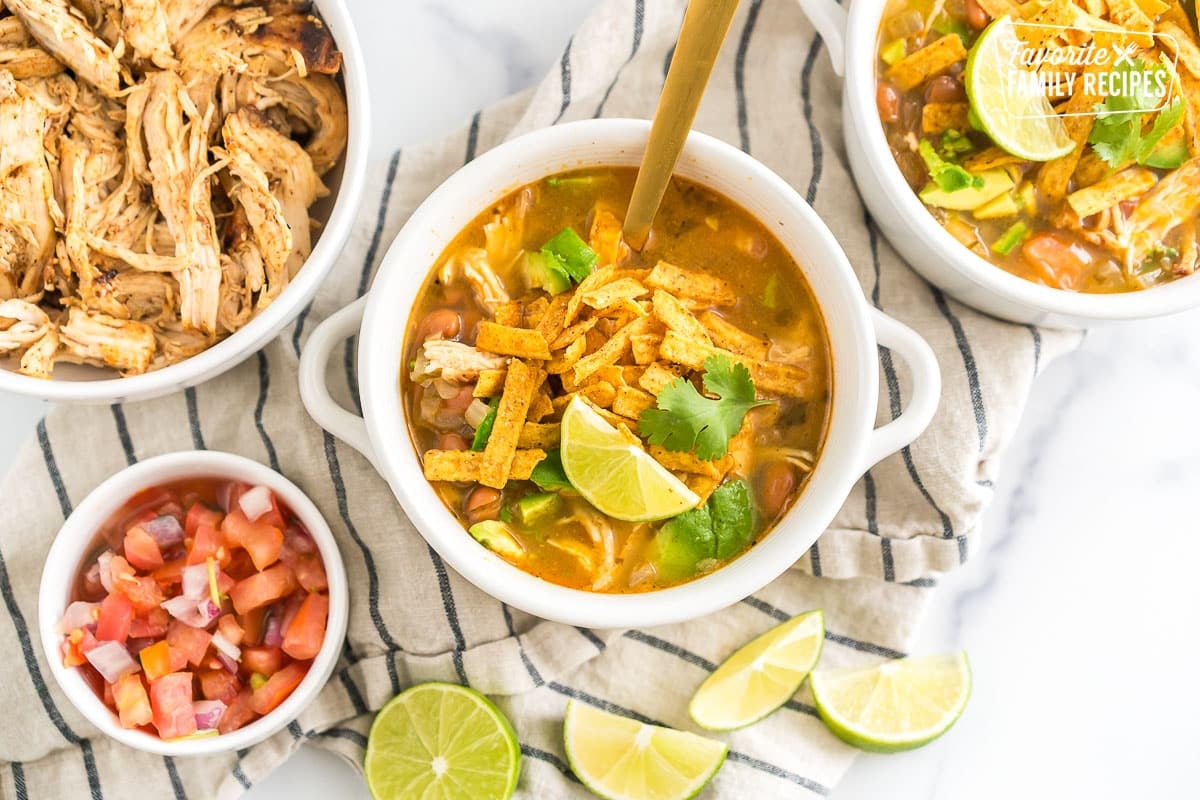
(176, 180)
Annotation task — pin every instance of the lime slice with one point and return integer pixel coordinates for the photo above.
(442, 741)
(761, 676)
(1024, 125)
(614, 473)
(898, 705)
(622, 759)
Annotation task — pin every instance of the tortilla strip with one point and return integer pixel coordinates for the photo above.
(708, 289)
(1153, 8)
(1190, 88)
(569, 358)
(610, 352)
(656, 377)
(1188, 251)
(1129, 15)
(554, 319)
(687, 462)
(541, 407)
(508, 341)
(990, 158)
(613, 293)
(998, 8)
(645, 347)
(601, 394)
(725, 334)
(569, 335)
(941, 117)
(463, 466)
(1054, 177)
(631, 402)
(490, 383)
(671, 313)
(606, 239)
(1091, 169)
(519, 385)
(1124, 185)
(932, 59)
(769, 377)
(702, 485)
(542, 437)
(597, 278)
(1181, 45)
(510, 314)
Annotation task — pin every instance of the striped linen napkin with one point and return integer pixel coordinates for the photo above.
(916, 514)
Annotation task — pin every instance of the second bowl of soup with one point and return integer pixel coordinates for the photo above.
(608, 437)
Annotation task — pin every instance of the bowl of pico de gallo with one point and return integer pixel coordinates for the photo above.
(193, 603)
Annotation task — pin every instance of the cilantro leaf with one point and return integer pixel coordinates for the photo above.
(1116, 135)
(1164, 122)
(948, 176)
(686, 420)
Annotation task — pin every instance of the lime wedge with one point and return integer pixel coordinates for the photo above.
(761, 676)
(1022, 124)
(442, 741)
(897, 705)
(614, 472)
(622, 759)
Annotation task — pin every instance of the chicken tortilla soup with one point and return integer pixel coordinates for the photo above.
(610, 420)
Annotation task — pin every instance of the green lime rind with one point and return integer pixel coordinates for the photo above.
(478, 746)
(785, 686)
(876, 741)
(1026, 127)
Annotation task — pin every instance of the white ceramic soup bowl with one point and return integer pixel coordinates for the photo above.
(851, 38)
(337, 213)
(381, 320)
(77, 539)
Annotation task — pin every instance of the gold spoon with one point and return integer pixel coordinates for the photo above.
(704, 27)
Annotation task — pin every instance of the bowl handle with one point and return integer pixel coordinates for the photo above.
(829, 19)
(314, 391)
(926, 388)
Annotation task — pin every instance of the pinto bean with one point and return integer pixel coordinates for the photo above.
(443, 322)
(945, 89)
(887, 102)
(977, 18)
(452, 441)
(778, 484)
(482, 503)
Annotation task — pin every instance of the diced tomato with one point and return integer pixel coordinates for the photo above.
(207, 543)
(76, 647)
(260, 539)
(191, 642)
(300, 553)
(116, 616)
(268, 696)
(156, 660)
(170, 573)
(200, 514)
(1059, 262)
(217, 684)
(252, 623)
(178, 658)
(171, 702)
(141, 550)
(133, 706)
(239, 712)
(225, 582)
(263, 660)
(240, 565)
(144, 593)
(150, 625)
(229, 628)
(263, 588)
(109, 700)
(302, 639)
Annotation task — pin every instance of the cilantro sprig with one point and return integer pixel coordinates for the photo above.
(948, 176)
(685, 420)
(1117, 135)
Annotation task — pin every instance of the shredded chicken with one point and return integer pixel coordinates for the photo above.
(472, 263)
(453, 362)
(158, 159)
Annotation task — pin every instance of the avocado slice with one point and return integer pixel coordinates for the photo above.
(533, 509)
(1003, 206)
(495, 535)
(995, 183)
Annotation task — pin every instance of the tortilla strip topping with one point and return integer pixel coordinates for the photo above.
(930, 60)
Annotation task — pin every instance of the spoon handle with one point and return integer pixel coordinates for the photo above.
(704, 27)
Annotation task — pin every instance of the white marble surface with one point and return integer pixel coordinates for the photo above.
(1080, 614)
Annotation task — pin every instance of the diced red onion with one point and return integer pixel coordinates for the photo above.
(195, 581)
(135, 646)
(165, 530)
(299, 540)
(111, 660)
(255, 502)
(77, 615)
(208, 714)
(228, 663)
(225, 646)
(189, 611)
(273, 632)
(105, 564)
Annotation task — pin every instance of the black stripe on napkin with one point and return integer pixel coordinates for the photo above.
(592, 637)
(639, 18)
(778, 772)
(239, 774)
(473, 137)
(534, 675)
(565, 69)
(60, 491)
(348, 734)
(18, 774)
(460, 642)
(264, 388)
(968, 357)
(1037, 348)
(298, 329)
(814, 559)
(339, 490)
(118, 413)
(549, 758)
(173, 776)
(739, 74)
(193, 413)
(814, 135)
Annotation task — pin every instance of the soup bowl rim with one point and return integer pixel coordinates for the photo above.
(76, 539)
(852, 36)
(850, 445)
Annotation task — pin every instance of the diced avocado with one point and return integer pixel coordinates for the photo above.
(995, 183)
(541, 274)
(732, 518)
(495, 535)
(683, 542)
(1003, 206)
(1028, 198)
(534, 509)
(894, 51)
